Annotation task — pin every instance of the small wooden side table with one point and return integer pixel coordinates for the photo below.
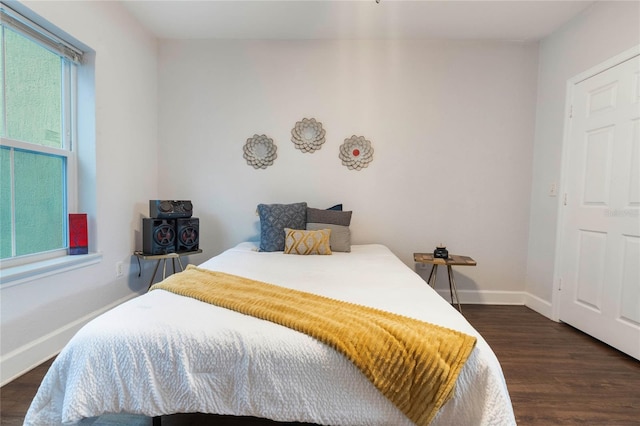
(452, 260)
(163, 258)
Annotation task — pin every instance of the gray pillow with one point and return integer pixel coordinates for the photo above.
(274, 218)
(334, 217)
(340, 238)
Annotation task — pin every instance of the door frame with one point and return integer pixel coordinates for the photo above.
(559, 245)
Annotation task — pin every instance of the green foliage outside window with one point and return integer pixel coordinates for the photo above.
(5, 203)
(39, 195)
(32, 184)
(33, 92)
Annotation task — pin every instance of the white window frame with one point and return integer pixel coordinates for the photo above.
(24, 268)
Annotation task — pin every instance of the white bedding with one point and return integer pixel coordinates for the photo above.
(162, 353)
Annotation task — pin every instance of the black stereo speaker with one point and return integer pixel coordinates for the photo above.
(170, 209)
(187, 234)
(158, 236)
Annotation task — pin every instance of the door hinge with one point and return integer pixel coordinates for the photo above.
(571, 111)
(564, 199)
(560, 284)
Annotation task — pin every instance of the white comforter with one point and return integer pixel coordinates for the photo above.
(162, 353)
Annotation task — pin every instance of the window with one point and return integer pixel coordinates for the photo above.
(37, 129)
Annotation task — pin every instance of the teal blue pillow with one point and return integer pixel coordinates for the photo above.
(274, 218)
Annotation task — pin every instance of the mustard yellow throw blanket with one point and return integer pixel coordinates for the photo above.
(413, 363)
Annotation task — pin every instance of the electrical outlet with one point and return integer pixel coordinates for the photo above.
(119, 269)
(553, 190)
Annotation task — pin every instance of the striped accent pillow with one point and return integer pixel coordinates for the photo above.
(298, 241)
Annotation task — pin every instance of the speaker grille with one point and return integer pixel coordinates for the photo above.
(158, 236)
(188, 234)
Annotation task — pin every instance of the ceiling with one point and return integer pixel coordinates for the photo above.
(513, 20)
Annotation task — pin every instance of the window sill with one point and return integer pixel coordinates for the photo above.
(20, 274)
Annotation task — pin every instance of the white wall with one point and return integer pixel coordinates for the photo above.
(601, 32)
(39, 316)
(451, 124)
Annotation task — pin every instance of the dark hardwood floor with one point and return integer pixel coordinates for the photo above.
(556, 375)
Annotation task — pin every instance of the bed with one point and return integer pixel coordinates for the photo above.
(162, 353)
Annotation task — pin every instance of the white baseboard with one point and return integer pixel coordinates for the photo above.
(19, 361)
(486, 297)
(492, 297)
(541, 306)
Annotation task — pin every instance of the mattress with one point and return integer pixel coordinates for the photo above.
(162, 353)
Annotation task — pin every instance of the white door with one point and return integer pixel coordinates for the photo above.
(600, 240)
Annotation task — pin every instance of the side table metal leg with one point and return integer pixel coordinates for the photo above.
(433, 274)
(452, 288)
(164, 268)
(153, 276)
(181, 266)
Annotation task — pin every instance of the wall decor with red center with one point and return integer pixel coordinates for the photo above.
(356, 152)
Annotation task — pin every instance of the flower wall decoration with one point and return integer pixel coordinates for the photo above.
(356, 152)
(308, 135)
(260, 151)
